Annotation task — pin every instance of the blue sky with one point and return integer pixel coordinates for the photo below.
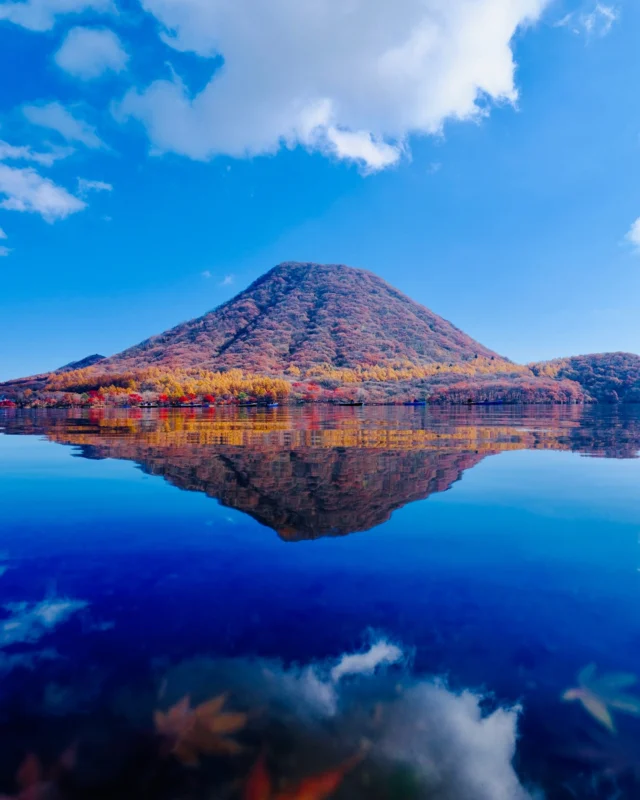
(481, 155)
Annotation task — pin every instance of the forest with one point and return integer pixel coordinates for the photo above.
(605, 377)
(477, 381)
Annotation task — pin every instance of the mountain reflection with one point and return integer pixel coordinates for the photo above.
(310, 472)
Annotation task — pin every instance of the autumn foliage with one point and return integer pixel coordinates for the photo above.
(177, 387)
(605, 377)
(480, 380)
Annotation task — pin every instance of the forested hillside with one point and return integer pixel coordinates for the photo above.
(605, 377)
(299, 316)
(323, 333)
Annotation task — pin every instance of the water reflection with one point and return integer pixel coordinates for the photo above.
(152, 646)
(312, 472)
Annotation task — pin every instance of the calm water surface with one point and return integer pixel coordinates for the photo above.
(475, 561)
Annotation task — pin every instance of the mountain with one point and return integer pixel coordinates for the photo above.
(89, 361)
(324, 332)
(303, 315)
(605, 377)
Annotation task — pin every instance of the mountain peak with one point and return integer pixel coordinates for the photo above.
(303, 314)
(318, 267)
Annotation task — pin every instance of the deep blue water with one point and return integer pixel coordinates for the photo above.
(497, 548)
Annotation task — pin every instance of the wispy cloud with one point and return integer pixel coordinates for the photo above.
(206, 274)
(600, 21)
(85, 187)
(633, 235)
(11, 152)
(227, 280)
(24, 189)
(4, 251)
(41, 15)
(57, 118)
(594, 23)
(25, 660)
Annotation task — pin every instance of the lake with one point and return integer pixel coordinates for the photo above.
(305, 602)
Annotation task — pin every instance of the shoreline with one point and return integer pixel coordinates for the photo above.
(10, 406)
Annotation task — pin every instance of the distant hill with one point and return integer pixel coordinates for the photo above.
(89, 361)
(302, 315)
(605, 377)
(38, 382)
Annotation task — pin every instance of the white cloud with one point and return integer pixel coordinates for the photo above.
(354, 79)
(29, 622)
(56, 117)
(85, 186)
(10, 152)
(4, 251)
(597, 22)
(24, 189)
(227, 280)
(3, 235)
(88, 53)
(206, 273)
(380, 653)
(41, 15)
(473, 750)
(361, 147)
(633, 235)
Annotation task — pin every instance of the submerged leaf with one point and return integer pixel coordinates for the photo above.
(36, 784)
(202, 730)
(626, 703)
(177, 720)
(616, 680)
(586, 674)
(598, 695)
(318, 787)
(598, 710)
(258, 785)
(30, 772)
(211, 708)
